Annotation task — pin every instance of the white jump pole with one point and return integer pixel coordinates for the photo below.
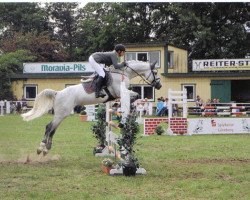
(1, 105)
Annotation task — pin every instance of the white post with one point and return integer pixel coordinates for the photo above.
(170, 108)
(1, 105)
(184, 106)
(125, 102)
(7, 107)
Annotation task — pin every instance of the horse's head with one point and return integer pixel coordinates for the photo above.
(146, 71)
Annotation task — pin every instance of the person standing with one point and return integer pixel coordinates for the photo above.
(99, 60)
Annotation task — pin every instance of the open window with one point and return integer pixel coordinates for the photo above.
(145, 91)
(190, 91)
(30, 92)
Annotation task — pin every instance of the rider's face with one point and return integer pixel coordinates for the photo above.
(121, 53)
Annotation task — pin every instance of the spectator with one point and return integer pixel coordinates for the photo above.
(145, 107)
(164, 110)
(198, 101)
(159, 106)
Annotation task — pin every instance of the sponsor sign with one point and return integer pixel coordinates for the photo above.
(221, 64)
(57, 67)
(219, 126)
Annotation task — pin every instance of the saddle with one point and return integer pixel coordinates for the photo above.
(89, 84)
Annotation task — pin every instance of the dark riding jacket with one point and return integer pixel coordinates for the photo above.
(108, 58)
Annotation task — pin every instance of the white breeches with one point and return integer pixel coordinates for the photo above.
(97, 66)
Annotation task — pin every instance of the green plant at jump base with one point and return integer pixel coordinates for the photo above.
(159, 130)
(126, 143)
(99, 129)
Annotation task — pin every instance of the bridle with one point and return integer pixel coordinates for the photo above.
(155, 80)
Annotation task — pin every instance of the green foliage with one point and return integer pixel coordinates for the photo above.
(40, 45)
(108, 162)
(126, 143)
(206, 30)
(99, 128)
(159, 130)
(11, 63)
(23, 17)
(65, 18)
(129, 134)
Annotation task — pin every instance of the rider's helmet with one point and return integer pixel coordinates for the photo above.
(120, 47)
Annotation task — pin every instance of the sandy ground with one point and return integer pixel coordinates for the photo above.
(33, 159)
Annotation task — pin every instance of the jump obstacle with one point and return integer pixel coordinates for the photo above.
(177, 125)
(111, 137)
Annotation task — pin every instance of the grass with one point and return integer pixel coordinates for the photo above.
(183, 167)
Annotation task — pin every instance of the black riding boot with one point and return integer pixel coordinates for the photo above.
(98, 88)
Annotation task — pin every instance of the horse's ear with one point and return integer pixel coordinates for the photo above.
(152, 65)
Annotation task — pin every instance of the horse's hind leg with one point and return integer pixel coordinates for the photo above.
(50, 130)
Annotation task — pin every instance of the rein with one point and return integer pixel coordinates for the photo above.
(144, 79)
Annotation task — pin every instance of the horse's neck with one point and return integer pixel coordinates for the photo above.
(122, 72)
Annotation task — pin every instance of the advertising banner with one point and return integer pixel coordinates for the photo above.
(221, 64)
(57, 67)
(219, 125)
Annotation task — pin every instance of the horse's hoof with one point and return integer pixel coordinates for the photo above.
(45, 152)
(39, 150)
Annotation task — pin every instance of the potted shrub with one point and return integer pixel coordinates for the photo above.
(83, 114)
(99, 129)
(130, 165)
(159, 130)
(107, 165)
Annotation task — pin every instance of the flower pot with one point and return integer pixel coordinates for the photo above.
(83, 118)
(129, 168)
(106, 169)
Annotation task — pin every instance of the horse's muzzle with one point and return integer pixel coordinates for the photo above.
(158, 85)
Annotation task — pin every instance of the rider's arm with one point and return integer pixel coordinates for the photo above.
(115, 63)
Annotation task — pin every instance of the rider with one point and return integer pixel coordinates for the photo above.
(99, 60)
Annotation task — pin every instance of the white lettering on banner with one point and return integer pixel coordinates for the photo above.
(221, 64)
(64, 67)
(219, 126)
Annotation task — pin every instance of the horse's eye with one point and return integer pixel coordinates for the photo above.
(155, 71)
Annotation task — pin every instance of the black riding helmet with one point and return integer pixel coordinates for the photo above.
(119, 47)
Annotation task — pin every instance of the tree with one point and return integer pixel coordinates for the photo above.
(206, 30)
(65, 18)
(42, 47)
(11, 63)
(23, 17)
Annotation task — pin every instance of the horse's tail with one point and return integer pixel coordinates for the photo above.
(43, 103)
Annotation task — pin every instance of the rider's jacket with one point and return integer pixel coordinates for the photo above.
(108, 58)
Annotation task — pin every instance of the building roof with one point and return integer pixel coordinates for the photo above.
(49, 75)
(151, 44)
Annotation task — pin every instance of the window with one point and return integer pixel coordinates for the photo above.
(145, 91)
(170, 59)
(150, 56)
(30, 92)
(190, 91)
(142, 56)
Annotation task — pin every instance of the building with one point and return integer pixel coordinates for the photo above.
(228, 80)
(224, 79)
